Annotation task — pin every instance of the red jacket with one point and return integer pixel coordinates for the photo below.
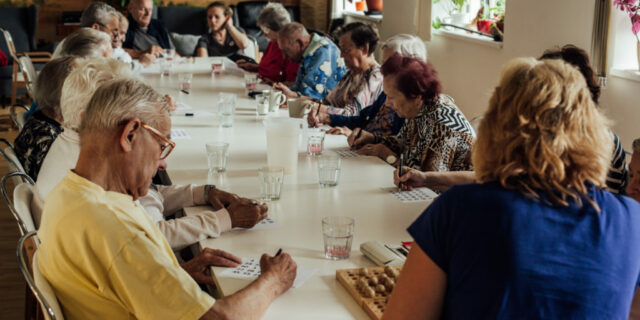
(3, 59)
(275, 67)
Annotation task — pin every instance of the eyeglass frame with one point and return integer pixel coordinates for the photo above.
(168, 143)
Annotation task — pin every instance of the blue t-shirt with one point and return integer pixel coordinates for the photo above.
(510, 257)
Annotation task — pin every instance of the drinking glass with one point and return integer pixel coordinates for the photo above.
(271, 179)
(226, 108)
(262, 109)
(315, 142)
(338, 235)
(185, 82)
(217, 65)
(165, 67)
(329, 170)
(250, 82)
(217, 153)
(169, 54)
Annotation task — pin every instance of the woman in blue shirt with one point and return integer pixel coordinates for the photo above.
(539, 236)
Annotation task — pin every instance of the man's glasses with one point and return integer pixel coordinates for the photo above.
(167, 147)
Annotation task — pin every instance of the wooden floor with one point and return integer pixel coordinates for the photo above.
(12, 285)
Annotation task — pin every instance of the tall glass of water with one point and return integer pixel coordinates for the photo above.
(329, 170)
(271, 179)
(226, 108)
(217, 153)
(338, 235)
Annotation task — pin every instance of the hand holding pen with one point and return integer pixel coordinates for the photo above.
(400, 165)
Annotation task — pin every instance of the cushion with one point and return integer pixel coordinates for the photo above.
(184, 20)
(185, 43)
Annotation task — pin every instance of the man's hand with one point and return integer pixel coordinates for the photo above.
(220, 199)
(246, 213)
(172, 102)
(198, 267)
(359, 137)
(155, 51)
(285, 90)
(340, 130)
(282, 268)
(248, 66)
(411, 178)
(147, 59)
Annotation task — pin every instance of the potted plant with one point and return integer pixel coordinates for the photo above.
(632, 8)
(456, 11)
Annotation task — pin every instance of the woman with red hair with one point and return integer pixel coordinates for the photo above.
(436, 135)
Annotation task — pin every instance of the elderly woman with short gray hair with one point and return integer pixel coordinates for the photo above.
(273, 66)
(85, 43)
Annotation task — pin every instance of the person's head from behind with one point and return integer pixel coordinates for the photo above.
(579, 58)
(82, 82)
(272, 19)
(127, 125)
(48, 86)
(87, 43)
(357, 42)
(141, 11)
(633, 188)
(217, 14)
(543, 134)
(409, 83)
(293, 39)
(103, 17)
(404, 45)
(122, 31)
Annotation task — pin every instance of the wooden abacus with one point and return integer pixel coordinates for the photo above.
(370, 287)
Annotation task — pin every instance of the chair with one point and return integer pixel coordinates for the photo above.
(9, 154)
(18, 80)
(29, 74)
(20, 206)
(28, 262)
(19, 117)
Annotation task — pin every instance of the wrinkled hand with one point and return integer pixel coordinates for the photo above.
(285, 90)
(363, 137)
(155, 51)
(340, 130)
(172, 102)
(282, 268)
(198, 267)
(318, 115)
(221, 199)
(378, 150)
(146, 59)
(246, 213)
(411, 178)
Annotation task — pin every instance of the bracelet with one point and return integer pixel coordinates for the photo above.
(207, 189)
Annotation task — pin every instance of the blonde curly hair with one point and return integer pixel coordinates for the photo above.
(543, 133)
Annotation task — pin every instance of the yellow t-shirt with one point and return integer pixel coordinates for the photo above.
(106, 259)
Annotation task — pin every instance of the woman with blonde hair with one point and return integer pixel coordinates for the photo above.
(539, 236)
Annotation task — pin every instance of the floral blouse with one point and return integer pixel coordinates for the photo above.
(370, 84)
(34, 141)
(439, 138)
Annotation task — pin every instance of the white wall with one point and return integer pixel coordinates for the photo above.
(468, 71)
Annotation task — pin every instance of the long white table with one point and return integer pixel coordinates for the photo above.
(359, 194)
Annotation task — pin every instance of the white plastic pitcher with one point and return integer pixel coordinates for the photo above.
(282, 143)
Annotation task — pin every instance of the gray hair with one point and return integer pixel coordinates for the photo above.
(274, 16)
(121, 100)
(49, 84)
(407, 45)
(293, 31)
(83, 82)
(85, 43)
(636, 145)
(97, 12)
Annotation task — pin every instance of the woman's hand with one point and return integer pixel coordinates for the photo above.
(359, 137)
(285, 90)
(318, 115)
(411, 178)
(339, 130)
(379, 150)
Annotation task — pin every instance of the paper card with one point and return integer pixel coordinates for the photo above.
(250, 270)
(181, 106)
(264, 224)
(415, 195)
(178, 134)
(346, 153)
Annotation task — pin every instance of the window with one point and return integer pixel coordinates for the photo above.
(476, 18)
(625, 58)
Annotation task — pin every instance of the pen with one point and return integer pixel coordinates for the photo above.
(400, 165)
(188, 114)
(357, 136)
(279, 252)
(184, 91)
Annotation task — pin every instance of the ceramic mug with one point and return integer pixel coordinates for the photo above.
(298, 107)
(276, 99)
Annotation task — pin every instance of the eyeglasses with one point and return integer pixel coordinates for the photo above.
(115, 32)
(167, 147)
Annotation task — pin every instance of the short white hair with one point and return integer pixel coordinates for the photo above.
(85, 43)
(83, 82)
(407, 45)
(119, 100)
(274, 16)
(97, 12)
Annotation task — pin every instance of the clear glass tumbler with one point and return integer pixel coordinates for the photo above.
(217, 153)
(329, 170)
(338, 235)
(271, 179)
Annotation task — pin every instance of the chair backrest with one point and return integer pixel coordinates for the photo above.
(9, 154)
(29, 72)
(19, 117)
(20, 204)
(9, 41)
(28, 262)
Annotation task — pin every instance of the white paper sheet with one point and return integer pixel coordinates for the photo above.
(178, 134)
(250, 270)
(415, 195)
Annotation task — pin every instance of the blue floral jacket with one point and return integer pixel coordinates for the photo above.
(320, 69)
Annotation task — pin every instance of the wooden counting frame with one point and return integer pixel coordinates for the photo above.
(360, 284)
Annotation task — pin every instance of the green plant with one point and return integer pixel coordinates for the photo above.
(453, 5)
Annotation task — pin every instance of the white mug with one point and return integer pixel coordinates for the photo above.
(276, 99)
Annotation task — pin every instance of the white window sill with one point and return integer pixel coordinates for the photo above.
(629, 74)
(463, 36)
(362, 16)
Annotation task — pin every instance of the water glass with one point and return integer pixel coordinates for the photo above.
(262, 109)
(169, 54)
(185, 82)
(250, 81)
(217, 153)
(329, 170)
(271, 179)
(165, 67)
(338, 235)
(315, 142)
(226, 108)
(217, 65)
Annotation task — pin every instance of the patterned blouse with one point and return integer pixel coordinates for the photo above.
(618, 173)
(439, 138)
(320, 69)
(34, 141)
(367, 85)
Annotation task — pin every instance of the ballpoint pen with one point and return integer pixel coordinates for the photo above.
(400, 165)
(279, 252)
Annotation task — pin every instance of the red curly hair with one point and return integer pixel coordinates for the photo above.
(414, 77)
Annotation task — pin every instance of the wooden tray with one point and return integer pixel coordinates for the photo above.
(374, 305)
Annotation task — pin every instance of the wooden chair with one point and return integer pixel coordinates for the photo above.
(28, 262)
(18, 80)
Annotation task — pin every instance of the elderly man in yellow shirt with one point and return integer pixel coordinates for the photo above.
(103, 255)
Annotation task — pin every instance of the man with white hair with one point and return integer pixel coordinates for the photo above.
(85, 43)
(321, 66)
(103, 256)
(145, 35)
(120, 54)
(229, 209)
(103, 17)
